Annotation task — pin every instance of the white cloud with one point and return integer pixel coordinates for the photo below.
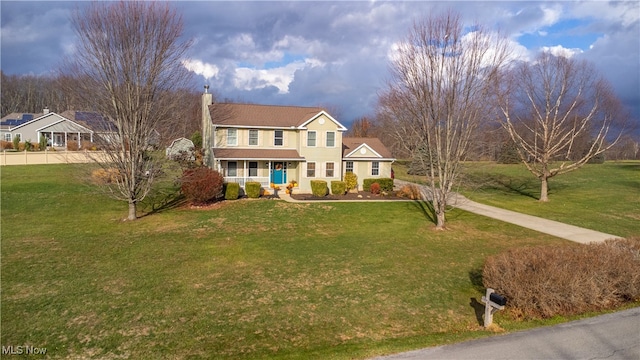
(559, 50)
(280, 77)
(206, 70)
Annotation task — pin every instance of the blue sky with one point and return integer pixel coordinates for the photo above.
(336, 54)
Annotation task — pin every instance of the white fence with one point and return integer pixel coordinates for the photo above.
(48, 157)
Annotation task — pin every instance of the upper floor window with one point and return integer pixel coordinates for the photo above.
(331, 139)
(311, 138)
(278, 138)
(375, 168)
(232, 137)
(348, 166)
(253, 137)
(330, 168)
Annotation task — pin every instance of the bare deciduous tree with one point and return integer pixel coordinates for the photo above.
(439, 93)
(128, 56)
(559, 113)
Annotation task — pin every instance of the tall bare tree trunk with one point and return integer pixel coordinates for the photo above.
(442, 76)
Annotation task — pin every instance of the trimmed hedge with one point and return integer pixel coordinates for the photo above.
(319, 188)
(386, 184)
(338, 187)
(232, 191)
(253, 188)
(546, 281)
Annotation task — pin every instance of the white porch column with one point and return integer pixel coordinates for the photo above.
(79, 141)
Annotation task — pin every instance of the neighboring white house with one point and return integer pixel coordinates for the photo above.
(277, 144)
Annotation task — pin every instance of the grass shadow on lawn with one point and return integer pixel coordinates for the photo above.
(426, 209)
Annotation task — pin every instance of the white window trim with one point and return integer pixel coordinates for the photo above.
(327, 139)
(326, 168)
(257, 137)
(7, 137)
(378, 168)
(228, 168)
(346, 167)
(274, 137)
(229, 137)
(315, 169)
(249, 168)
(315, 140)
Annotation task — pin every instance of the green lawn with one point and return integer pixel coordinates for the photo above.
(603, 197)
(244, 280)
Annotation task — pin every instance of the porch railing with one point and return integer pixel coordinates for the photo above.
(264, 181)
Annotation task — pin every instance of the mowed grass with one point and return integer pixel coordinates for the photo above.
(244, 280)
(603, 197)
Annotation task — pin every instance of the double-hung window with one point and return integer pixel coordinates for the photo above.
(348, 166)
(278, 138)
(375, 168)
(253, 168)
(7, 137)
(253, 137)
(232, 168)
(311, 138)
(329, 170)
(331, 139)
(232, 137)
(311, 169)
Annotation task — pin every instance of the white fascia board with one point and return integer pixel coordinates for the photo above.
(341, 127)
(360, 147)
(63, 120)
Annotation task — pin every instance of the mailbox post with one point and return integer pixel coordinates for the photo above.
(492, 303)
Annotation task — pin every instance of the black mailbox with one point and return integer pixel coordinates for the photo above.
(498, 299)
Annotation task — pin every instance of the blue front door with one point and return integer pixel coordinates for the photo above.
(279, 173)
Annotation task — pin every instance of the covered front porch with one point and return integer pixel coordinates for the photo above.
(265, 172)
(61, 133)
(266, 166)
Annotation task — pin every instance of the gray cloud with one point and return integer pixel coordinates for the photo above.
(339, 49)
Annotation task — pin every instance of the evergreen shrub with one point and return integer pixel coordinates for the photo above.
(253, 189)
(319, 188)
(232, 191)
(338, 187)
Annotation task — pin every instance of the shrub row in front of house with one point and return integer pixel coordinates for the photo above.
(386, 184)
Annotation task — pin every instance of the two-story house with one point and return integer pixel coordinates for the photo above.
(278, 144)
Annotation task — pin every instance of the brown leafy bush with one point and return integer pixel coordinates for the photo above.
(6, 145)
(375, 188)
(201, 184)
(410, 191)
(105, 176)
(72, 146)
(565, 280)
